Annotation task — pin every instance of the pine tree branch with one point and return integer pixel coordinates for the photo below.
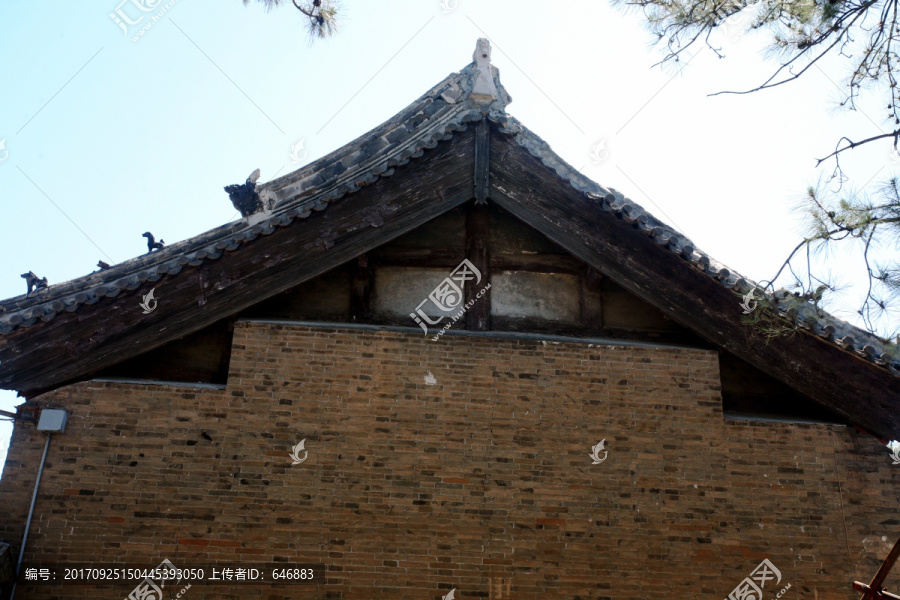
(851, 144)
(301, 9)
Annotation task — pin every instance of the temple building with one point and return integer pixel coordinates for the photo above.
(439, 362)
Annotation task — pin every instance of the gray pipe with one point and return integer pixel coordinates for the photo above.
(30, 514)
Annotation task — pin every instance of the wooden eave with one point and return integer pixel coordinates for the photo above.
(74, 345)
(394, 179)
(593, 229)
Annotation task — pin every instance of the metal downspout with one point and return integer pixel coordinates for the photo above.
(30, 515)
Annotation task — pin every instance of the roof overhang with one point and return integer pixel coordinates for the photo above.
(397, 177)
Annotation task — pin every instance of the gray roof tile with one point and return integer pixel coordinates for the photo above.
(431, 119)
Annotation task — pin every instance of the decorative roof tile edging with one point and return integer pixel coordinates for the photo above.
(428, 121)
(297, 195)
(798, 311)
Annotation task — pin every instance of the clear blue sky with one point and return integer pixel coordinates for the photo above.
(108, 138)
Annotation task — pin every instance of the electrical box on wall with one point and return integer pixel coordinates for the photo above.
(53, 420)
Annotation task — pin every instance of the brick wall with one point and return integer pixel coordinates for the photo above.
(461, 463)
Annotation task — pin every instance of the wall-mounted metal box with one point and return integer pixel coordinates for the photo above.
(52, 419)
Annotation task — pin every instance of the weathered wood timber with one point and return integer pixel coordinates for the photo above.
(482, 161)
(874, 590)
(361, 291)
(591, 303)
(364, 225)
(448, 258)
(524, 186)
(478, 251)
(268, 265)
(398, 256)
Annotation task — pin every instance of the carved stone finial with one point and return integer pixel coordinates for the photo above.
(482, 54)
(483, 90)
(244, 196)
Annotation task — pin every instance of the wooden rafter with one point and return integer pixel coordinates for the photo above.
(66, 350)
(524, 186)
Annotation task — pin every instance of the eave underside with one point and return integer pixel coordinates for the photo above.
(104, 334)
(853, 388)
(33, 360)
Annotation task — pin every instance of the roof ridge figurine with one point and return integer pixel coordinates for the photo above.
(152, 244)
(244, 196)
(34, 282)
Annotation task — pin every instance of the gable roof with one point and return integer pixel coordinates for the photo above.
(377, 188)
(421, 126)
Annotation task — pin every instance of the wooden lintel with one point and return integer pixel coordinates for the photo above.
(397, 256)
(537, 263)
(482, 161)
(478, 316)
(448, 258)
